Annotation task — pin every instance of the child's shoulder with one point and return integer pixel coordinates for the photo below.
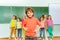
(19, 22)
(34, 17)
(12, 20)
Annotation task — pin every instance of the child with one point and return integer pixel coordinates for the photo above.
(45, 19)
(30, 25)
(50, 26)
(42, 28)
(13, 27)
(19, 28)
(23, 30)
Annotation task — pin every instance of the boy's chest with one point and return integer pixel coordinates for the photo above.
(31, 22)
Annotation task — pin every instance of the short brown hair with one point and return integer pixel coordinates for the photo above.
(29, 9)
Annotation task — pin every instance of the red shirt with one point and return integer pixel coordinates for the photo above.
(31, 24)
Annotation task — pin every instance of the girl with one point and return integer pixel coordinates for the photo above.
(13, 27)
(23, 30)
(50, 26)
(42, 28)
(45, 19)
(19, 28)
(30, 25)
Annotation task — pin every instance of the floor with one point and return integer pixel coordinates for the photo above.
(54, 38)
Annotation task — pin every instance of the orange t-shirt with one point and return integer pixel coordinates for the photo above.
(31, 24)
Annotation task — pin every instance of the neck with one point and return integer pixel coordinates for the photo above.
(30, 17)
(49, 19)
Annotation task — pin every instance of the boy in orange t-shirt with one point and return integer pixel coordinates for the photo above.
(30, 25)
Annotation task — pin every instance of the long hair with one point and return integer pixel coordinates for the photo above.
(41, 17)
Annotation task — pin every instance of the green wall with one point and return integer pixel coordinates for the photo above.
(6, 12)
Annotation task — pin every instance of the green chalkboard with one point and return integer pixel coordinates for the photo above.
(6, 12)
(39, 11)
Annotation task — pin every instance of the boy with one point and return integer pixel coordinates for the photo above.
(30, 25)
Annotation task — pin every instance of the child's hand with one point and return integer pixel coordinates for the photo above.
(15, 28)
(46, 29)
(25, 28)
(36, 30)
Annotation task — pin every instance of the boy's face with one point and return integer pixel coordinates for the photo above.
(29, 14)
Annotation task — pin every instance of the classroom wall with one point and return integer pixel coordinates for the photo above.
(24, 2)
(54, 11)
(27, 2)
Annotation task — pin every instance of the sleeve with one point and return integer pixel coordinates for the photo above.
(24, 23)
(38, 23)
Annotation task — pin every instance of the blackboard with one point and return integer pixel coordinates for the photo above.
(6, 12)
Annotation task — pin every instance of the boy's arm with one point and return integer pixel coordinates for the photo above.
(38, 28)
(24, 24)
(38, 22)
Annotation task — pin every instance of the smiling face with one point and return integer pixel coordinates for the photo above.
(30, 14)
(49, 17)
(18, 19)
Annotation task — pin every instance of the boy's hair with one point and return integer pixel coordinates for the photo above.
(29, 9)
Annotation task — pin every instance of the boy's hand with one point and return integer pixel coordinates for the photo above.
(37, 30)
(25, 28)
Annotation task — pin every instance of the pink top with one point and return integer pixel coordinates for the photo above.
(49, 22)
(42, 24)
